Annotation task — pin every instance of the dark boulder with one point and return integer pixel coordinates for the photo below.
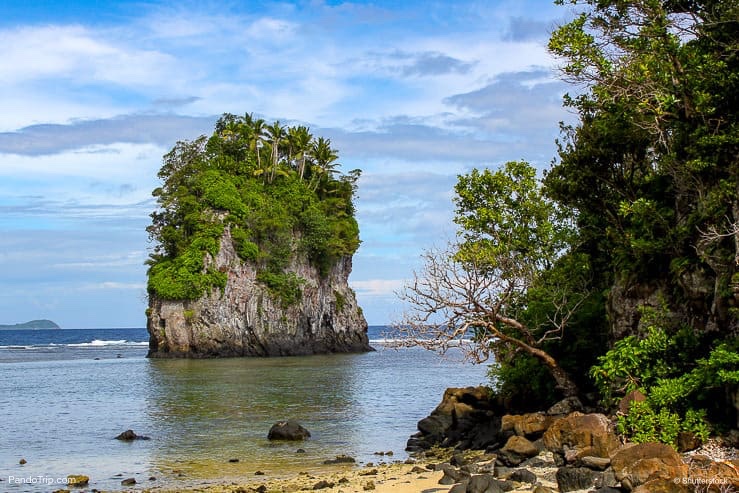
(516, 450)
(288, 430)
(523, 476)
(452, 475)
(459, 488)
(129, 435)
(565, 406)
(323, 485)
(577, 478)
(485, 483)
(687, 441)
(466, 418)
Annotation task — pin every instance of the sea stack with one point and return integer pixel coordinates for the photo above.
(246, 319)
(253, 241)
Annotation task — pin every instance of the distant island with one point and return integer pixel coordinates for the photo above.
(33, 324)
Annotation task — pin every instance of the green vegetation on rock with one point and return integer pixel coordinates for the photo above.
(275, 189)
(652, 171)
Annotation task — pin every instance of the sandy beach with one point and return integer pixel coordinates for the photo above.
(421, 476)
(396, 477)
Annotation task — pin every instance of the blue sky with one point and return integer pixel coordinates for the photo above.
(94, 93)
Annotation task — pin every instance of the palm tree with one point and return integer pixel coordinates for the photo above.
(257, 126)
(300, 140)
(325, 158)
(277, 134)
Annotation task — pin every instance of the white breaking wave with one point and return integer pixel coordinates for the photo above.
(99, 343)
(454, 343)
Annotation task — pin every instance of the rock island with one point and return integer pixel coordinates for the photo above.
(254, 237)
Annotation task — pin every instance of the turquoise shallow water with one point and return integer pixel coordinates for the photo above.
(62, 407)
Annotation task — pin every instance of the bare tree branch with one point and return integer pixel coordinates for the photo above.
(463, 304)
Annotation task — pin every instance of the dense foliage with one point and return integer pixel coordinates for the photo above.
(677, 379)
(276, 189)
(649, 178)
(651, 172)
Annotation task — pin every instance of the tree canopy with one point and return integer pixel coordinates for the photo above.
(276, 189)
(620, 269)
(511, 236)
(652, 171)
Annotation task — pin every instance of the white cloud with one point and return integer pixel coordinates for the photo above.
(271, 31)
(377, 287)
(119, 285)
(122, 163)
(135, 258)
(75, 52)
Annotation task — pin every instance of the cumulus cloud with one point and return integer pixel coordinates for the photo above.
(38, 52)
(522, 109)
(424, 63)
(44, 139)
(436, 64)
(377, 287)
(413, 142)
(175, 102)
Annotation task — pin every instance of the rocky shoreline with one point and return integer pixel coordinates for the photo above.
(567, 448)
(469, 445)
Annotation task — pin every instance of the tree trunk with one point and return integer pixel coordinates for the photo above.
(563, 381)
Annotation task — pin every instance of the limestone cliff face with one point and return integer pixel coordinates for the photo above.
(245, 319)
(696, 299)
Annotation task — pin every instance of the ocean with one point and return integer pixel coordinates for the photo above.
(65, 395)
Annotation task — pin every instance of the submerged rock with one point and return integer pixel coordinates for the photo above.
(129, 435)
(288, 430)
(78, 480)
(341, 459)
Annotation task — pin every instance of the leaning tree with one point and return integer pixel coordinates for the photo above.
(473, 292)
